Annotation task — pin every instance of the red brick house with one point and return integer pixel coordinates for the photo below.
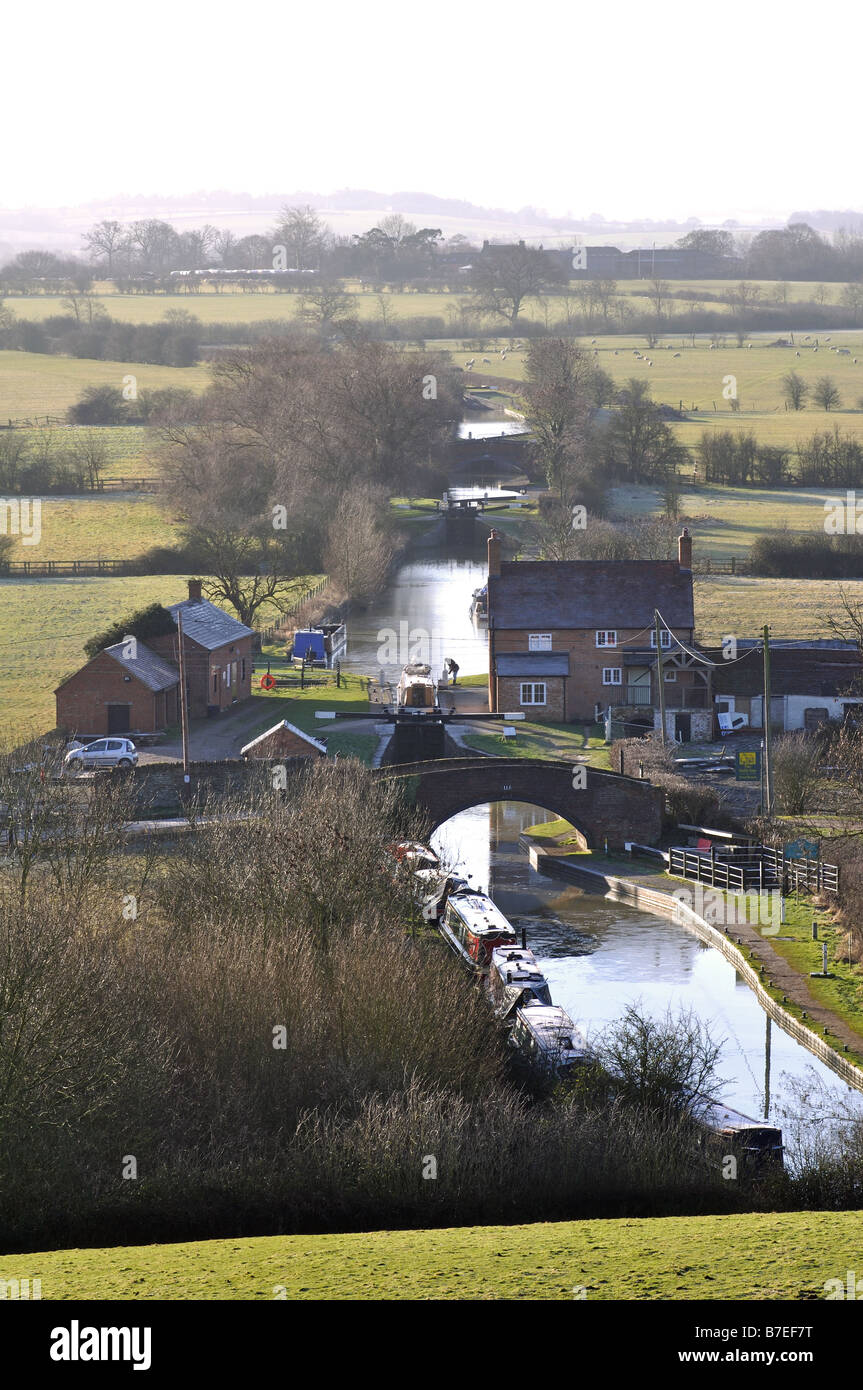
(217, 650)
(568, 638)
(117, 693)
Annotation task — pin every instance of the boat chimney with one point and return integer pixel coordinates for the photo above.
(684, 549)
(194, 591)
(524, 938)
(493, 554)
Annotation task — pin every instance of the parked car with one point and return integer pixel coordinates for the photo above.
(102, 752)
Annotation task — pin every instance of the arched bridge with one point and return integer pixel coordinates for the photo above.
(599, 804)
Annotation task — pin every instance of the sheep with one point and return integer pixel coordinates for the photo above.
(486, 359)
(797, 354)
(676, 354)
(471, 362)
(855, 361)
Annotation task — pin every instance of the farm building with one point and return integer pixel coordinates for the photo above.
(284, 740)
(810, 682)
(569, 636)
(116, 693)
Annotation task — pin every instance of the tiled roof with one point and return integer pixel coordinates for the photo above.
(532, 664)
(590, 594)
(292, 728)
(208, 625)
(798, 670)
(145, 666)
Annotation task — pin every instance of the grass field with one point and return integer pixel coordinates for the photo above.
(35, 383)
(752, 1258)
(131, 449)
(792, 607)
(109, 526)
(727, 520)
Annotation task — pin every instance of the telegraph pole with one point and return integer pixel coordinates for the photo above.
(768, 778)
(184, 717)
(660, 675)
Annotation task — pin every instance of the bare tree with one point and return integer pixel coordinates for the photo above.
(794, 390)
(358, 550)
(303, 235)
(107, 239)
(826, 393)
(504, 277)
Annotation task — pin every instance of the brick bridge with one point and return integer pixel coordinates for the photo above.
(607, 805)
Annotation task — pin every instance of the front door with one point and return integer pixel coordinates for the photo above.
(118, 719)
(683, 727)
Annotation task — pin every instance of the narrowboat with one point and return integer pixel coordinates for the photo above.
(547, 1039)
(755, 1140)
(515, 979)
(479, 605)
(319, 646)
(472, 926)
(434, 889)
(416, 688)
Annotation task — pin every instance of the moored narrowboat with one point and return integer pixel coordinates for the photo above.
(472, 926)
(319, 646)
(515, 979)
(548, 1040)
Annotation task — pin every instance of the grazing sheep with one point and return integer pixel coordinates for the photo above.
(797, 354)
(676, 354)
(486, 359)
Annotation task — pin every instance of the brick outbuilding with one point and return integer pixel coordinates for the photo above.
(126, 688)
(284, 740)
(217, 650)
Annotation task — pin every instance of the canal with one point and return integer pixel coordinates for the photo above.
(599, 956)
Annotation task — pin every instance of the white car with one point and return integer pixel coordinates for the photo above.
(103, 752)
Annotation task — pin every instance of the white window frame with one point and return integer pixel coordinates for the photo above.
(612, 675)
(539, 641)
(670, 675)
(664, 637)
(533, 687)
(606, 637)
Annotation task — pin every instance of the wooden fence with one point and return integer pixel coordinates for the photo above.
(289, 620)
(758, 867)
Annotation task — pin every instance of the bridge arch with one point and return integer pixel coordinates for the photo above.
(600, 805)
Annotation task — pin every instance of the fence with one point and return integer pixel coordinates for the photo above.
(719, 564)
(289, 619)
(757, 866)
(38, 422)
(45, 569)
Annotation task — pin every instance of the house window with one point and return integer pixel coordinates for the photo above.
(664, 637)
(533, 693)
(606, 637)
(670, 675)
(539, 642)
(611, 675)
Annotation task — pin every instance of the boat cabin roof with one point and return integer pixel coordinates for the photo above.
(516, 965)
(479, 914)
(553, 1028)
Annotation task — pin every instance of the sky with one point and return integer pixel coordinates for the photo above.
(668, 109)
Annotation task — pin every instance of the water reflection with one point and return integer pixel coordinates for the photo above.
(600, 956)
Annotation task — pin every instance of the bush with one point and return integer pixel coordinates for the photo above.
(154, 621)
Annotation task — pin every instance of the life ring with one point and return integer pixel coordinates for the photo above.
(268, 682)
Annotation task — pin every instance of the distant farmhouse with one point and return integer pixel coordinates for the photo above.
(119, 692)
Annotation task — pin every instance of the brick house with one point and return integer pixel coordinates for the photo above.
(570, 638)
(217, 650)
(116, 693)
(284, 740)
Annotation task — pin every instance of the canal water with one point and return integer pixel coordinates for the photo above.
(598, 955)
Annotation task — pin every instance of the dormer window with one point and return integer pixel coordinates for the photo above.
(606, 637)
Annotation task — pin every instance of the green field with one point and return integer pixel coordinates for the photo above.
(108, 526)
(751, 1258)
(792, 607)
(726, 521)
(131, 449)
(35, 383)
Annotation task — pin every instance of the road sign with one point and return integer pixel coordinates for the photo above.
(747, 765)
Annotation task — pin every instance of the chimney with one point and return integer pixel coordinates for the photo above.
(194, 591)
(493, 554)
(684, 549)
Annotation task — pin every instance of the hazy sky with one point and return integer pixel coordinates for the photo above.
(666, 108)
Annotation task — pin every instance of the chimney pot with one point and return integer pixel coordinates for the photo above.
(194, 591)
(493, 554)
(684, 549)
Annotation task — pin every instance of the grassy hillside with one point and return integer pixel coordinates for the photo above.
(763, 1258)
(108, 526)
(34, 383)
(792, 607)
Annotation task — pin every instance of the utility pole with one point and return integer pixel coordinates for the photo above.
(660, 675)
(765, 699)
(184, 717)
